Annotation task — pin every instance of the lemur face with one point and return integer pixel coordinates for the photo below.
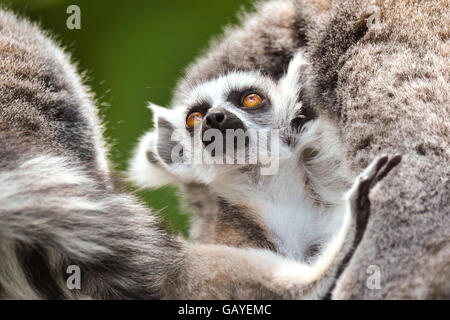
(236, 101)
(240, 119)
(228, 115)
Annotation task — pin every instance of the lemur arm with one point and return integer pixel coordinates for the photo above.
(340, 249)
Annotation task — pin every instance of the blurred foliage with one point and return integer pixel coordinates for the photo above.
(134, 52)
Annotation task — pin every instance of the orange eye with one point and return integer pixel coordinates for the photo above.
(193, 119)
(252, 100)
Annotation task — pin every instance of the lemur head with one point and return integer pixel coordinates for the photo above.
(236, 122)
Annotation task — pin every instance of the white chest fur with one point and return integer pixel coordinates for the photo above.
(296, 223)
(298, 227)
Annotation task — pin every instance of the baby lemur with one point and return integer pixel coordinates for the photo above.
(262, 170)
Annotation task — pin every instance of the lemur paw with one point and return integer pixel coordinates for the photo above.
(359, 194)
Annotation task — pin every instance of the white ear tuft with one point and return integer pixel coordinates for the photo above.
(296, 67)
(146, 169)
(162, 113)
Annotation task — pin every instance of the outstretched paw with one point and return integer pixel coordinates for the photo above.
(359, 196)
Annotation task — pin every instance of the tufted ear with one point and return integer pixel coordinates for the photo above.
(146, 168)
(294, 108)
(158, 158)
(296, 81)
(150, 166)
(296, 74)
(166, 121)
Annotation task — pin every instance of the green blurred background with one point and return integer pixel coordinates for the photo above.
(134, 52)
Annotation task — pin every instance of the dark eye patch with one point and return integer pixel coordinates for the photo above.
(262, 114)
(201, 108)
(236, 97)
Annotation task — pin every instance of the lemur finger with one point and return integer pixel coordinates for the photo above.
(374, 168)
(392, 163)
(366, 180)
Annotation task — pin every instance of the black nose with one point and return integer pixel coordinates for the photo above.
(221, 121)
(215, 120)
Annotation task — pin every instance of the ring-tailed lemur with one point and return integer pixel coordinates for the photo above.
(59, 206)
(386, 85)
(300, 209)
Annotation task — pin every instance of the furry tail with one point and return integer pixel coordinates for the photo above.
(53, 215)
(58, 206)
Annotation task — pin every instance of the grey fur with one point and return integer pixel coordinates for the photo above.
(387, 88)
(59, 206)
(408, 235)
(393, 85)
